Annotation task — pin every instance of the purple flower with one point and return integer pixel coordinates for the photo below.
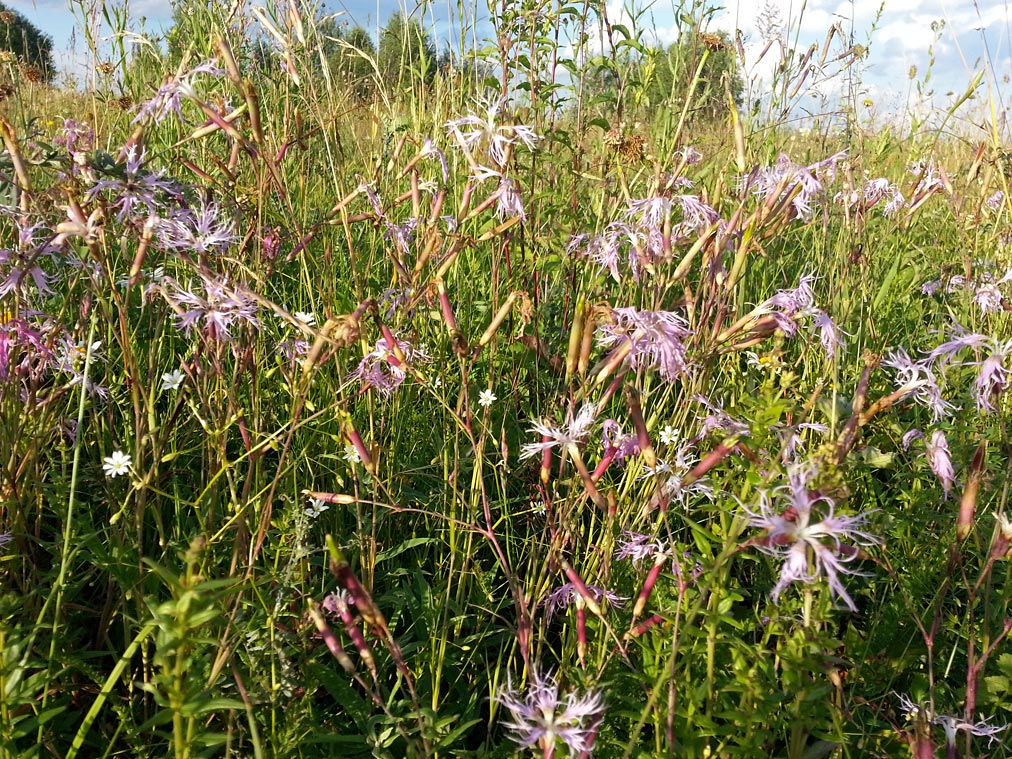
(791, 435)
(573, 431)
(786, 178)
(383, 370)
(509, 204)
(916, 379)
(136, 194)
(788, 303)
(829, 333)
(786, 515)
(219, 308)
(961, 339)
(474, 132)
(561, 598)
(604, 249)
(402, 234)
(951, 725)
(993, 378)
(654, 339)
(938, 457)
(718, 419)
(168, 98)
(612, 436)
(995, 201)
(293, 350)
(202, 230)
(24, 350)
(876, 189)
(370, 192)
(636, 547)
(910, 436)
(988, 297)
(927, 172)
(651, 212)
(5, 540)
(696, 215)
(429, 150)
(689, 154)
(540, 717)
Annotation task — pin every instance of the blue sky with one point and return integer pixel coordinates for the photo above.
(900, 38)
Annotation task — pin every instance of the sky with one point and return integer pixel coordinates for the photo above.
(920, 53)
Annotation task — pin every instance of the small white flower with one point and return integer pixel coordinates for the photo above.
(437, 382)
(316, 507)
(669, 435)
(172, 380)
(487, 398)
(117, 464)
(306, 317)
(351, 454)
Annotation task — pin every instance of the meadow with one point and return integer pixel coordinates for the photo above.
(509, 409)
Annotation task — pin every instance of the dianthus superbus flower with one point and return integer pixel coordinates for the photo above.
(654, 339)
(382, 369)
(541, 717)
(810, 549)
(219, 308)
(573, 431)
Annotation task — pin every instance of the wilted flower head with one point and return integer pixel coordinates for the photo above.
(786, 515)
(622, 444)
(654, 339)
(429, 150)
(540, 717)
(938, 457)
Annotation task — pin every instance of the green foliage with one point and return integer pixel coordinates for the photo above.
(334, 537)
(351, 57)
(710, 61)
(406, 52)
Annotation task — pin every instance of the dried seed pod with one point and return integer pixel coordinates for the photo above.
(968, 503)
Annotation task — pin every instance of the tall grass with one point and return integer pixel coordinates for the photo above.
(465, 421)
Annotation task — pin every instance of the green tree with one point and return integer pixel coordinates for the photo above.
(349, 53)
(406, 51)
(666, 74)
(191, 20)
(20, 36)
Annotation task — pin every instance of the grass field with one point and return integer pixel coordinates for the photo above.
(506, 411)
